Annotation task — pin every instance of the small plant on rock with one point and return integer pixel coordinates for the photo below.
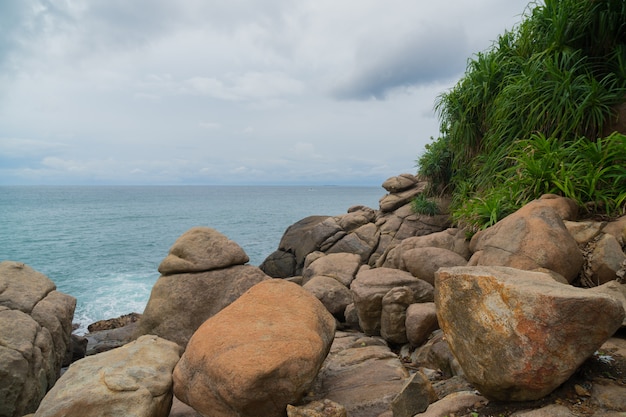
(422, 205)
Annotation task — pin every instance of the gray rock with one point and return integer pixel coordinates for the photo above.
(202, 249)
(361, 373)
(133, 380)
(180, 303)
(370, 286)
(35, 328)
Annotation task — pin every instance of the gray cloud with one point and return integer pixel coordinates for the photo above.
(240, 91)
(417, 58)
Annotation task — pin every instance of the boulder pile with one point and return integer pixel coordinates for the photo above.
(374, 313)
(203, 273)
(35, 328)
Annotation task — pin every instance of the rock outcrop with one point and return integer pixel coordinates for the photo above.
(362, 231)
(531, 238)
(518, 335)
(203, 273)
(371, 285)
(361, 373)
(133, 380)
(257, 355)
(35, 328)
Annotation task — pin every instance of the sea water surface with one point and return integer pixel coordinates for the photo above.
(103, 244)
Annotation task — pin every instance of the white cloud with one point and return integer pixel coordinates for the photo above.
(156, 91)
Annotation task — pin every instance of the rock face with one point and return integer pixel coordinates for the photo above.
(362, 231)
(361, 373)
(257, 355)
(181, 302)
(35, 328)
(518, 335)
(533, 237)
(133, 380)
(202, 249)
(421, 321)
(371, 285)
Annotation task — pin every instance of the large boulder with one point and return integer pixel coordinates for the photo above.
(424, 262)
(518, 335)
(340, 266)
(531, 238)
(257, 355)
(361, 373)
(393, 315)
(362, 231)
(35, 328)
(133, 380)
(400, 182)
(451, 239)
(421, 321)
(333, 294)
(182, 299)
(202, 249)
(605, 259)
(180, 303)
(371, 285)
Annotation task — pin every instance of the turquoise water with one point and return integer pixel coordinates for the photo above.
(103, 244)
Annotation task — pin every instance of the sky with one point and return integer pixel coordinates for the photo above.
(230, 92)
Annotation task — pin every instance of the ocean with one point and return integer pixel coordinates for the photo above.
(103, 244)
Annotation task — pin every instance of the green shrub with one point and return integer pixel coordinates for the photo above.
(529, 115)
(422, 205)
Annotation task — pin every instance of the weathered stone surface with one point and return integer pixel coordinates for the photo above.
(21, 287)
(451, 239)
(604, 261)
(202, 249)
(421, 321)
(306, 236)
(617, 228)
(103, 340)
(400, 183)
(180, 303)
(452, 404)
(357, 218)
(114, 323)
(391, 202)
(180, 409)
(340, 266)
(393, 314)
(257, 355)
(414, 397)
(609, 396)
(361, 373)
(435, 354)
(324, 408)
(615, 290)
(532, 237)
(35, 328)
(334, 295)
(518, 335)
(552, 410)
(424, 262)
(565, 208)
(133, 380)
(361, 241)
(371, 285)
(585, 231)
(279, 264)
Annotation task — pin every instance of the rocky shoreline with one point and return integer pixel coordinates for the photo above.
(371, 313)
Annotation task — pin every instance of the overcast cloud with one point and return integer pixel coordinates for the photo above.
(229, 92)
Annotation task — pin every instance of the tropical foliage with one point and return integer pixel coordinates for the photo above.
(530, 116)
